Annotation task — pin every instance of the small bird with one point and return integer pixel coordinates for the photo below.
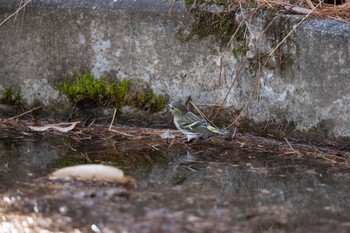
(190, 124)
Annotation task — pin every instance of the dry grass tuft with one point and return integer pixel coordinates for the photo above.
(319, 9)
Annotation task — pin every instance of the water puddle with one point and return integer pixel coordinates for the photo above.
(206, 186)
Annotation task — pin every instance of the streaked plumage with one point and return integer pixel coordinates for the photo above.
(190, 124)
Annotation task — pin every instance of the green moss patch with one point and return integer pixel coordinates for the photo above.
(86, 91)
(220, 24)
(206, 23)
(149, 101)
(11, 97)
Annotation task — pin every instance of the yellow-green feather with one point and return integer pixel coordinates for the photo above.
(213, 129)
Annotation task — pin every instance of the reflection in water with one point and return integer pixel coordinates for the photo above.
(24, 161)
(180, 189)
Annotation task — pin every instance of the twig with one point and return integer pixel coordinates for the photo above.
(295, 27)
(238, 72)
(214, 105)
(201, 113)
(154, 147)
(241, 113)
(172, 142)
(69, 146)
(291, 146)
(122, 133)
(92, 122)
(85, 156)
(22, 114)
(15, 13)
(234, 133)
(220, 70)
(280, 43)
(325, 158)
(114, 113)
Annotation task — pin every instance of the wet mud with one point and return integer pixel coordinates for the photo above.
(243, 184)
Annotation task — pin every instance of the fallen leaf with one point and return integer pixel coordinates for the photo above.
(57, 127)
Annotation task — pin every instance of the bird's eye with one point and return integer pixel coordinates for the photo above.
(172, 108)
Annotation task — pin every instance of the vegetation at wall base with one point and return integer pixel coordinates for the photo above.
(88, 91)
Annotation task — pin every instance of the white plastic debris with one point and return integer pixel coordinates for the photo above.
(96, 172)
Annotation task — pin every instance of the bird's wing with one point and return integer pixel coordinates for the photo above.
(199, 125)
(191, 121)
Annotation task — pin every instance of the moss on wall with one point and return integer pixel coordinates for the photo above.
(87, 91)
(277, 30)
(11, 97)
(148, 101)
(207, 23)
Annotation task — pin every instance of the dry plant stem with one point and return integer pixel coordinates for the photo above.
(69, 146)
(339, 19)
(259, 79)
(325, 158)
(19, 5)
(172, 142)
(23, 13)
(85, 156)
(171, 4)
(122, 133)
(92, 122)
(241, 113)
(245, 59)
(114, 113)
(234, 133)
(201, 113)
(295, 27)
(309, 3)
(339, 12)
(220, 70)
(295, 151)
(279, 44)
(266, 61)
(22, 114)
(213, 105)
(15, 13)
(238, 72)
(232, 84)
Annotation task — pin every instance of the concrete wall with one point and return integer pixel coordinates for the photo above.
(313, 89)
(305, 82)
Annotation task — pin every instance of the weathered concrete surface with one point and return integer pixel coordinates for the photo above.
(52, 43)
(306, 82)
(313, 90)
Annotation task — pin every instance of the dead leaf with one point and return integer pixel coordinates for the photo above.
(58, 127)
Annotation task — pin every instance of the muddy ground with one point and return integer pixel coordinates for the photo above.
(240, 184)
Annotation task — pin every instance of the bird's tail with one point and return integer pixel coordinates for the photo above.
(217, 131)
